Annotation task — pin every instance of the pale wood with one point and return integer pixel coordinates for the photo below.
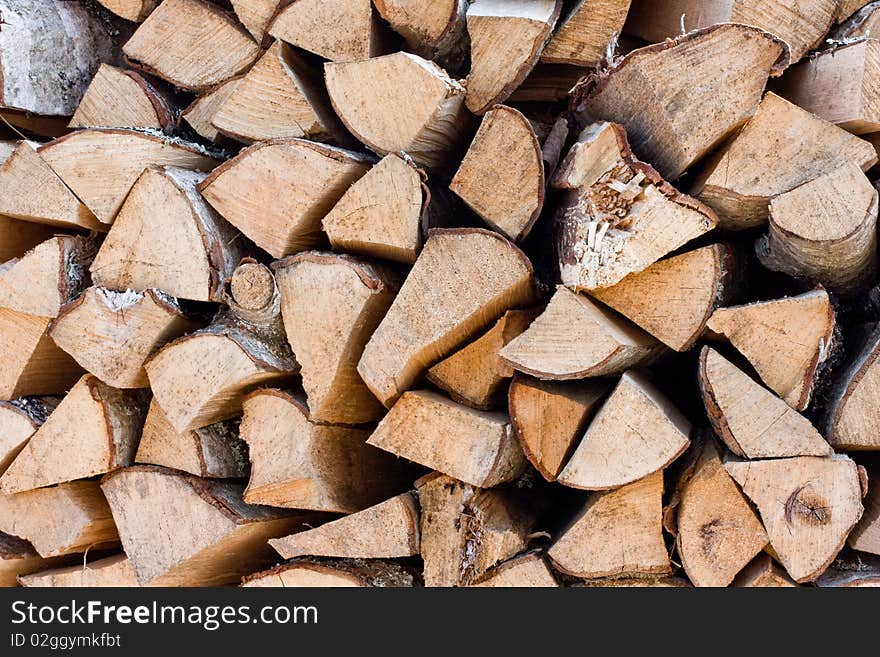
(763, 572)
(19, 420)
(662, 76)
(65, 519)
(583, 38)
(436, 30)
(298, 464)
(179, 530)
(387, 530)
(254, 296)
(95, 429)
(463, 280)
(528, 570)
(475, 375)
(865, 537)
(617, 215)
(399, 102)
(333, 573)
(614, 450)
(786, 340)
(507, 37)
(674, 298)
(256, 15)
(846, 8)
(808, 506)
(502, 175)
(211, 451)
(276, 192)
(852, 418)
(331, 305)
(113, 571)
(102, 165)
(132, 10)
(617, 532)
(47, 277)
(465, 531)
(550, 417)
(200, 114)
(639, 582)
(112, 334)
(825, 231)
(751, 420)
(117, 98)
(33, 192)
(163, 45)
(718, 532)
(18, 559)
(575, 338)
(44, 126)
(741, 179)
(167, 237)
(19, 237)
(862, 20)
(382, 213)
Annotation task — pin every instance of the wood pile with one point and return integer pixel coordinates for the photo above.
(451, 293)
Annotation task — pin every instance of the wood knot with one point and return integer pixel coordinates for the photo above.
(805, 506)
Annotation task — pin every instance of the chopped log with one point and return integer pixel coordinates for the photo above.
(852, 571)
(475, 375)
(662, 75)
(387, 530)
(852, 417)
(163, 45)
(47, 277)
(179, 530)
(168, 238)
(112, 334)
(674, 298)
(785, 340)
(298, 464)
(338, 30)
(585, 34)
(65, 519)
(741, 179)
(257, 15)
(399, 102)
(808, 505)
(502, 175)
(763, 572)
(526, 570)
(382, 213)
(101, 166)
(617, 533)
(718, 532)
(331, 305)
(19, 420)
(835, 247)
(618, 216)
(463, 280)
(50, 52)
(548, 83)
(33, 364)
(477, 447)
(634, 582)
(465, 531)
(117, 98)
(549, 418)
(94, 430)
(276, 192)
(113, 572)
(751, 420)
(211, 451)
(863, 22)
(283, 95)
(865, 537)
(576, 338)
(327, 573)
(18, 558)
(19, 237)
(614, 451)
(43, 126)
(132, 10)
(436, 30)
(846, 8)
(33, 192)
(507, 38)
(200, 114)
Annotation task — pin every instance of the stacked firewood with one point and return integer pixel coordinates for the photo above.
(447, 293)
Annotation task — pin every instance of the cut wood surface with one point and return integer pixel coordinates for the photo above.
(333, 573)
(162, 45)
(316, 26)
(763, 572)
(132, 10)
(751, 420)
(18, 559)
(585, 34)
(179, 530)
(835, 246)
(661, 76)
(200, 114)
(865, 537)
(741, 179)
(477, 447)
(117, 98)
(502, 175)
(19, 237)
(331, 305)
(614, 451)
(435, 30)
(575, 338)
(852, 418)
(617, 533)
(113, 572)
(277, 192)
(387, 530)
(256, 15)
(463, 280)
(93, 430)
(527, 570)
(19, 419)
(785, 340)
(807, 504)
